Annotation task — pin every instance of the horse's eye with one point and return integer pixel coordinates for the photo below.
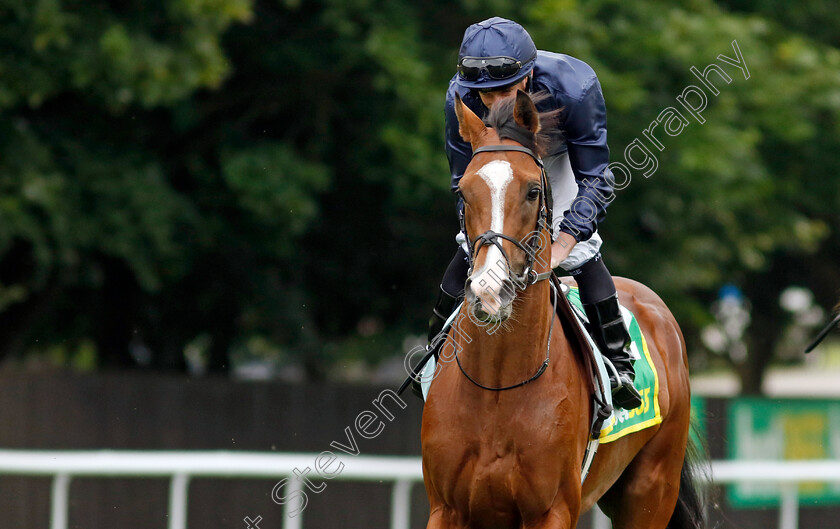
(534, 193)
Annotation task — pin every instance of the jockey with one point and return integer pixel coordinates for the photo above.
(498, 57)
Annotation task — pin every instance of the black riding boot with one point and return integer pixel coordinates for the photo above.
(443, 309)
(611, 335)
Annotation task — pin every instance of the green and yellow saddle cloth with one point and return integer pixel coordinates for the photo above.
(624, 422)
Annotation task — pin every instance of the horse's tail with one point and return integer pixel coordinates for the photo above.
(688, 514)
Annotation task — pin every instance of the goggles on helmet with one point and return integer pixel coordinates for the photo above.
(469, 68)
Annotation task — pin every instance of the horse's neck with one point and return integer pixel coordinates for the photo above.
(518, 347)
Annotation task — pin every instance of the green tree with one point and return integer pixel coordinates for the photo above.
(92, 215)
(739, 198)
(270, 177)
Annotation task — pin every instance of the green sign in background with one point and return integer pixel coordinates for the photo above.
(698, 421)
(783, 430)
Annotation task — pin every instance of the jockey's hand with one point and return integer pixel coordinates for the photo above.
(561, 248)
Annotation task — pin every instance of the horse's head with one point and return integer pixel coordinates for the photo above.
(505, 205)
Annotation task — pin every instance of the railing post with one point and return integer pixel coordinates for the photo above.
(178, 486)
(789, 511)
(401, 504)
(292, 522)
(599, 519)
(60, 496)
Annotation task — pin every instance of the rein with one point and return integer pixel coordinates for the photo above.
(536, 375)
(529, 276)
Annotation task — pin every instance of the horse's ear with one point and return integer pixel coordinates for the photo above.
(469, 125)
(525, 112)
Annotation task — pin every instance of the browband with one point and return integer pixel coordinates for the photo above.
(517, 148)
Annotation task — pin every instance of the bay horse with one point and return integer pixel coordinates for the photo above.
(512, 459)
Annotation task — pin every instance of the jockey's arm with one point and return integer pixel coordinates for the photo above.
(585, 130)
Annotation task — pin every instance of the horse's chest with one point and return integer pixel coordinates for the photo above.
(506, 440)
(510, 459)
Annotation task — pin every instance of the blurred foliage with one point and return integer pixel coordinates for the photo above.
(750, 195)
(234, 173)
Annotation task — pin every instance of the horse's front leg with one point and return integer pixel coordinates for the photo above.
(436, 521)
(561, 516)
(442, 518)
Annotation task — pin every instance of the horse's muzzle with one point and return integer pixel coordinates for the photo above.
(490, 302)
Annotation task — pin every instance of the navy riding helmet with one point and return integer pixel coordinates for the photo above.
(494, 53)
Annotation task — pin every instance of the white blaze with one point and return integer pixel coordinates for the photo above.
(486, 283)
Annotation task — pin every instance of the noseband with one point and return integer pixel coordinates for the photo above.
(529, 276)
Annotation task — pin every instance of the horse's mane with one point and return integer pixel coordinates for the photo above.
(543, 142)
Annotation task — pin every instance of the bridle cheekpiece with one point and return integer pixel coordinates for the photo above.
(529, 275)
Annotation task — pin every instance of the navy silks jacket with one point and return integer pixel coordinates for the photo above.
(574, 87)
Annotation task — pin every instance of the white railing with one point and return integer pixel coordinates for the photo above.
(788, 474)
(180, 467)
(404, 472)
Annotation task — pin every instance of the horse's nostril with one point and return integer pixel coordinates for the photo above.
(469, 295)
(507, 291)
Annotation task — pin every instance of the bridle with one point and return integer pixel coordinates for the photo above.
(529, 276)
